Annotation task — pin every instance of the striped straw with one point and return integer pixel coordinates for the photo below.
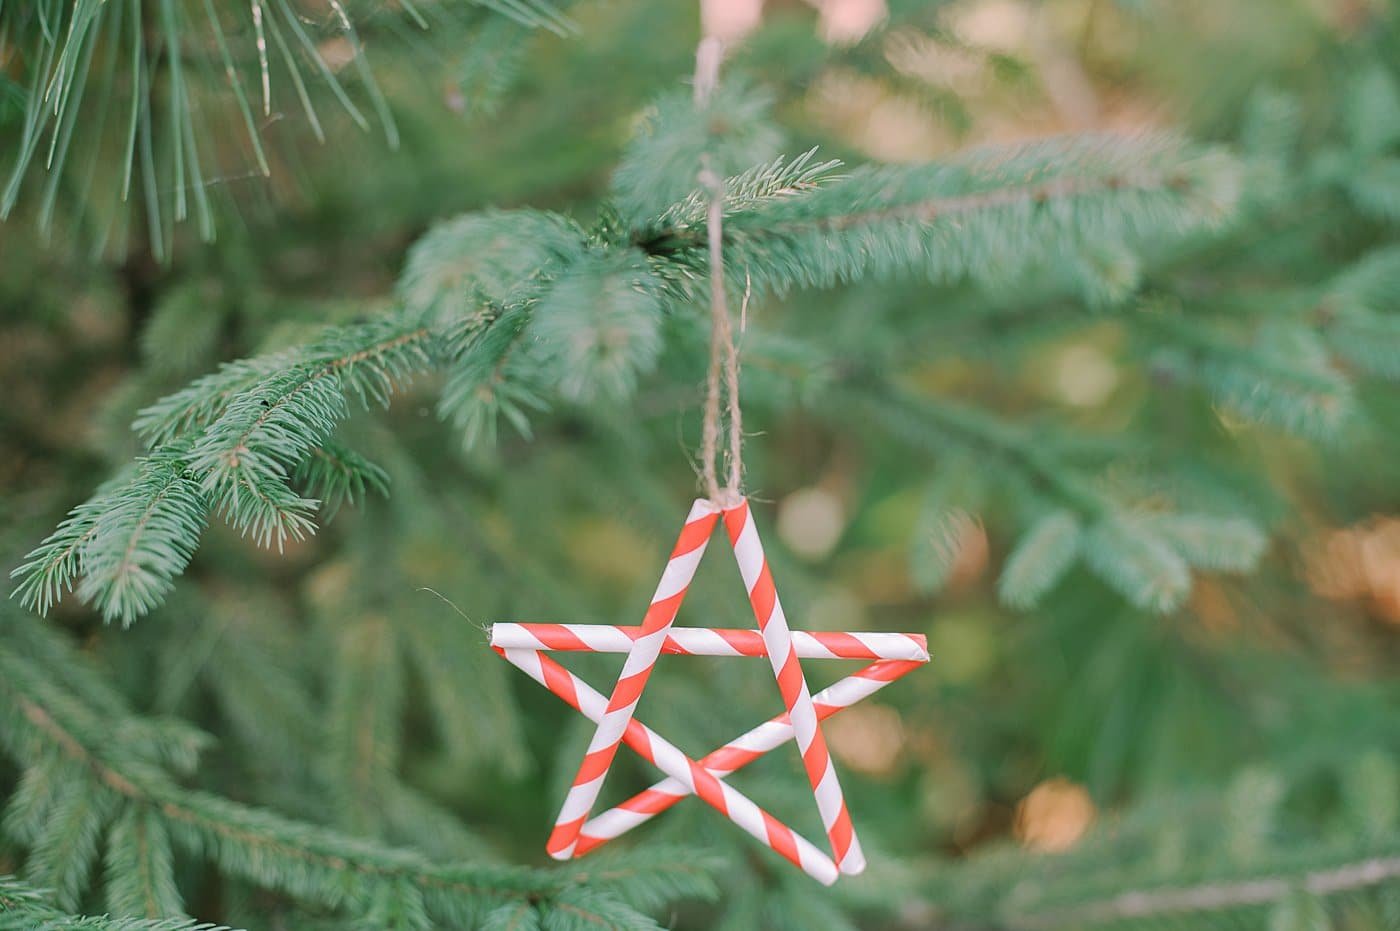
(772, 623)
(709, 641)
(574, 833)
(740, 752)
(654, 748)
(641, 659)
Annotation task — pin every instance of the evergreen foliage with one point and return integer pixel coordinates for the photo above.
(1090, 410)
(584, 323)
(23, 908)
(85, 790)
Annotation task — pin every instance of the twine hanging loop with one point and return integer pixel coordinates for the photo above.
(723, 377)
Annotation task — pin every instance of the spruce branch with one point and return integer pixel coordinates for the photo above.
(305, 861)
(488, 381)
(200, 403)
(929, 424)
(780, 178)
(244, 459)
(1197, 900)
(1281, 375)
(126, 543)
(143, 538)
(184, 112)
(24, 908)
(1143, 554)
(335, 475)
(363, 735)
(948, 513)
(231, 443)
(140, 867)
(51, 568)
(729, 127)
(521, 305)
(985, 216)
(1041, 558)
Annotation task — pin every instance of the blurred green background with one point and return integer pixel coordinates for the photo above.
(1050, 763)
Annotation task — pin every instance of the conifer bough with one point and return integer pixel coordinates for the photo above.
(518, 307)
(514, 311)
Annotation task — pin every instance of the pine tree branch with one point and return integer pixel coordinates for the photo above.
(518, 302)
(250, 828)
(305, 861)
(205, 400)
(1145, 554)
(926, 423)
(1217, 896)
(184, 67)
(251, 427)
(1006, 210)
(928, 211)
(23, 908)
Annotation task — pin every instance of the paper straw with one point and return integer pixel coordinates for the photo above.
(772, 623)
(741, 751)
(575, 832)
(652, 747)
(706, 641)
(641, 659)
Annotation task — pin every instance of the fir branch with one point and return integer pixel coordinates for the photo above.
(729, 127)
(598, 326)
(1096, 166)
(126, 543)
(202, 401)
(930, 424)
(1144, 556)
(23, 908)
(231, 443)
(468, 695)
(1222, 544)
(244, 459)
(1138, 564)
(370, 358)
(267, 849)
(140, 874)
(583, 909)
(1280, 375)
(305, 861)
(51, 568)
(491, 257)
(985, 216)
(948, 513)
(1041, 558)
(487, 381)
(62, 858)
(650, 878)
(517, 916)
(193, 115)
(143, 538)
(335, 474)
(362, 732)
(782, 177)
(27, 812)
(1207, 897)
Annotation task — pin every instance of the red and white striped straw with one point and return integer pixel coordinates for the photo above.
(707, 641)
(741, 751)
(772, 623)
(666, 757)
(641, 659)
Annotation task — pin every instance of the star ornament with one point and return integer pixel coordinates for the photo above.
(576, 833)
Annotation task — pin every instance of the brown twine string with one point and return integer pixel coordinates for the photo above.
(723, 373)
